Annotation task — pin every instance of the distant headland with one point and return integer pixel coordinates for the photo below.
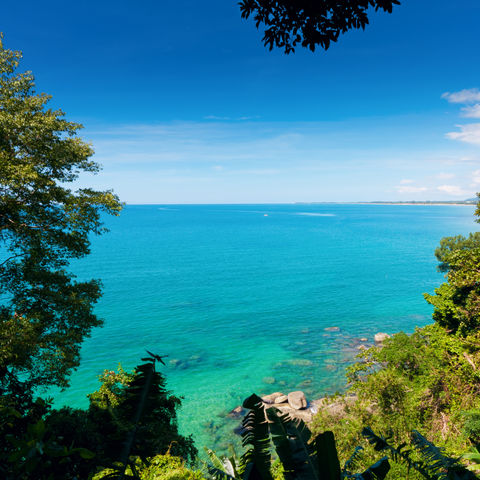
(468, 201)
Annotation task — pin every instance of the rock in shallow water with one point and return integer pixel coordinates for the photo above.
(270, 399)
(297, 400)
(381, 337)
(268, 380)
(237, 412)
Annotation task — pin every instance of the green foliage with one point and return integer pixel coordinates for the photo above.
(309, 23)
(300, 456)
(256, 437)
(166, 467)
(428, 381)
(136, 411)
(131, 419)
(457, 302)
(473, 457)
(112, 385)
(434, 463)
(160, 467)
(44, 313)
(471, 426)
(37, 453)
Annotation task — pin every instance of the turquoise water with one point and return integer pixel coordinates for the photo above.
(239, 296)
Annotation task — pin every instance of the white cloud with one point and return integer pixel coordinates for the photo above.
(471, 95)
(215, 117)
(469, 159)
(410, 189)
(444, 176)
(453, 190)
(476, 177)
(468, 133)
(405, 181)
(472, 111)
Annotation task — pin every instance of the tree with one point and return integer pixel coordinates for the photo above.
(45, 313)
(457, 301)
(131, 419)
(142, 418)
(309, 22)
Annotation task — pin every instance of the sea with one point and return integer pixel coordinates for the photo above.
(256, 298)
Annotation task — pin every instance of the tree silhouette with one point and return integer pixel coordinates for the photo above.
(309, 22)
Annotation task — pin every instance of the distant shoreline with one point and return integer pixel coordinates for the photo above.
(446, 203)
(459, 203)
(468, 204)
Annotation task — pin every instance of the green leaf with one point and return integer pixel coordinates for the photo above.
(377, 471)
(328, 463)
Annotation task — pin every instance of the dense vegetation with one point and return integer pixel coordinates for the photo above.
(430, 380)
(130, 420)
(45, 314)
(415, 394)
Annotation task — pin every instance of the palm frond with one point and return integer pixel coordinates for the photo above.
(257, 459)
(290, 438)
(220, 468)
(353, 460)
(398, 454)
(327, 456)
(437, 462)
(214, 459)
(378, 471)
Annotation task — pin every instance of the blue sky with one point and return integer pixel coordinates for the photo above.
(183, 104)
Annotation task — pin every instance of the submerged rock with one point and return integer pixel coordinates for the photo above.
(268, 380)
(300, 362)
(332, 329)
(305, 383)
(381, 337)
(237, 412)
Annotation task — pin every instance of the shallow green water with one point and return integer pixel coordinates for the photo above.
(239, 296)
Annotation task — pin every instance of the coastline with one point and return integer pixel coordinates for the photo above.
(379, 203)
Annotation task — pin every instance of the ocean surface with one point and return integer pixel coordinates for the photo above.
(240, 296)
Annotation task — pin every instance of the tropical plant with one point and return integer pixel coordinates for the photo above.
(302, 457)
(37, 453)
(131, 419)
(433, 464)
(473, 457)
(457, 301)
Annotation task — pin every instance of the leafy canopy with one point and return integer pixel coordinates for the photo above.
(457, 302)
(44, 312)
(309, 22)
